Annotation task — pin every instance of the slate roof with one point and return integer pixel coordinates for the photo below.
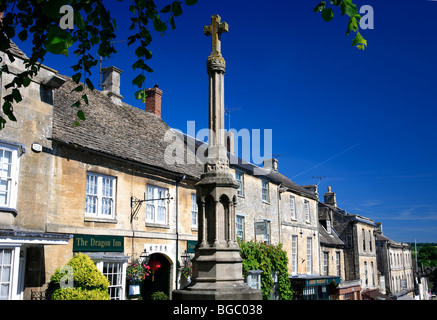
(249, 168)
(329, 239)
(122, 131)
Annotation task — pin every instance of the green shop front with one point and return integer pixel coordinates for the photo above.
(107, 252)
(313, 287)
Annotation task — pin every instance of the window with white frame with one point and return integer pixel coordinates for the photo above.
(5, 273)
(240, 180)
(292, 208)
(294, 254)
(194, 211)
(337, 257)
(307, 211)
(265, 190)
(115, 271)
(240, 227)
(100, 196)
(8, 176)
(309, 255)
(156, 211)
(325, 263)
(328, 226)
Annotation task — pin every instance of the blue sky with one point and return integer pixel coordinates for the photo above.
(364, 120)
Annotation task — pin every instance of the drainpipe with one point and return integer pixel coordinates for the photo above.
(178, 181)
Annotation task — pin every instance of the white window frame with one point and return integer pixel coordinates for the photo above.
(326, 263)
(294, 249)
(265, 190)
(239, 222)
(156, 210)
(100, 196)
(120, 286)
(306, 206)
(309, 255)
(11, 178)
(337, 257)
(292, 208)
(239, 176)
(328, 226)
(194, 212)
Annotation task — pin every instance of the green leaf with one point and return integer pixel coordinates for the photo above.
(85, 98)
(76, 77)
(76, 104)
(176, 8)
(81, 115)
(172, 23)
(190, 2)
(327, 14)
(26, 81)
(359, 41)
(139, 80)
(159, 25)
(140, 95)
(58, 41)
(51, 8)
(166, 9)
(76, 123)
(78, 20)
(352, 25)
(320, 6)
(89, 84)
(22, 35)
(78, 89)
(16, 94)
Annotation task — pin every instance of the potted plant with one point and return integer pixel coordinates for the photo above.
(136, 272)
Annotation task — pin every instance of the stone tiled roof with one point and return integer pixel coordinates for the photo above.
(17, 51)
(122, 131)
(331, 239)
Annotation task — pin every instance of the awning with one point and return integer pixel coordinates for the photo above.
(374, 295)
(33, 238)
(313, 280)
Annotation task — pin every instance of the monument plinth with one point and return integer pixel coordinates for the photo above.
(217, 264)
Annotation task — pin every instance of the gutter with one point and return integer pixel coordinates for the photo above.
(178, 181)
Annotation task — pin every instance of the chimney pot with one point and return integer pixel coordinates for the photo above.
(272, 163)
(153, 100)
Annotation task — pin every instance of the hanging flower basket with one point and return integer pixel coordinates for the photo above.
(136, 272)
(187, 271)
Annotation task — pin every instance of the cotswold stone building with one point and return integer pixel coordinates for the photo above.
(396, 265)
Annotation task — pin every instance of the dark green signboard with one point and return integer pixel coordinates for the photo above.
(87, 242)
(190, 246)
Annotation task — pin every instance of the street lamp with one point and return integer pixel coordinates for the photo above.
(144, 257)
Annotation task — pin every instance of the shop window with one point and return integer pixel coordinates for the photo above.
(100, 196)
(5, 273)
(115, 272)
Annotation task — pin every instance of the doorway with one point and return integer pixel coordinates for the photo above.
(160, 281)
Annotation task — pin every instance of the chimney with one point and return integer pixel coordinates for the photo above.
(271, 163)
(111, 84)
(378, 228)
(153, 100)
(312, 188)
(330, 198)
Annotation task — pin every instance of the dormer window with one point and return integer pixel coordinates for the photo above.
(328, 226)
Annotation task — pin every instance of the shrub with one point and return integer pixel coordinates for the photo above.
(268, 258)
(159, 295)
(88, 282)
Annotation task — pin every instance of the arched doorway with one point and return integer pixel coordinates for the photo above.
(161, 279)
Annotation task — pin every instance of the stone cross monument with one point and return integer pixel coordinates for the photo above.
(217, 265)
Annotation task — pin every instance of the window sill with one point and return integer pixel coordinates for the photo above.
(157, 225)
(102, 220)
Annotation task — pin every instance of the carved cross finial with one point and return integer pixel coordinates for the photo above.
(215, 29)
